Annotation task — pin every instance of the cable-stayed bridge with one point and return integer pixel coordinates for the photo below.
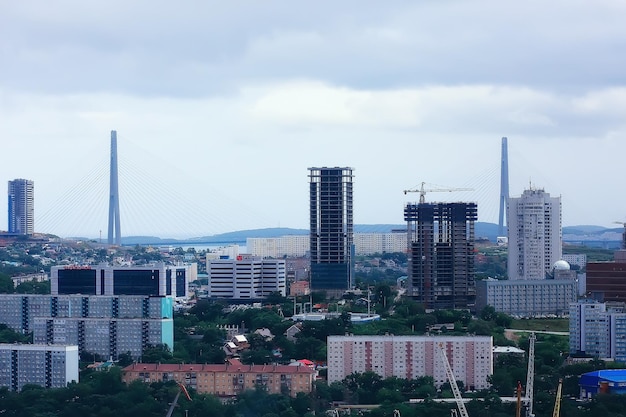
(161, 202)
(164, 201)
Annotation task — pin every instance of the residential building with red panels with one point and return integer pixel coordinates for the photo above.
(410, 357)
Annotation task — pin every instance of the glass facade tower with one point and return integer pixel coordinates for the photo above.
(331, 228)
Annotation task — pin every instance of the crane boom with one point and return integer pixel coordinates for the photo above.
(455, 388)
(557, 401)
(181, 388)
(423, 191)
(530, 376)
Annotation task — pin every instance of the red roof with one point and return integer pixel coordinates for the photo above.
(198, 367)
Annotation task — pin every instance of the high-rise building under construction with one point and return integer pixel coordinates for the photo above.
(331, 228)
(441, 254)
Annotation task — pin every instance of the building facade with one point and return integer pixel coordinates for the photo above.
(106, 337)
(535, 234)
(48, 366)
(441, 254)
(226, 380)
(606, 280)
(278, 247)
(410, 357)
(299, 245)
(598, 330)
(605, 381)
(105, 325)
(21, 195)
(246, 278)
(331, 228)
(527, 298)
(372, 243)
(152, 280)
(577, 259)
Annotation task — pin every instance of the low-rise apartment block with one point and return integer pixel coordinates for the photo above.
(527, 298)
(278, 247)
(246, 278)
(226, 380)
(409, 357)
(300, 245)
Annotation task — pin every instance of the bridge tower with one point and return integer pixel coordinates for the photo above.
(114, 237)
(504, 188)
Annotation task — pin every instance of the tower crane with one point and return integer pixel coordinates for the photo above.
(423, 191)
(530, 376)
(518, 408)
(557, 401)
(455, 388)
(181, 388)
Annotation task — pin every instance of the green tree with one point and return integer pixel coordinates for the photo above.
(6, 284)
(33, 287)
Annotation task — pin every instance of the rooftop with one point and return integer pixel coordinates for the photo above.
(199, 367)
(611, 375)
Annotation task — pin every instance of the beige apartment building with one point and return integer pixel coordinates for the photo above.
(226, 380)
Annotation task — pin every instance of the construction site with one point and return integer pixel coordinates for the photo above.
(441, 251)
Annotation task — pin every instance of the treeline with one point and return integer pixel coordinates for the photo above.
(102, 394)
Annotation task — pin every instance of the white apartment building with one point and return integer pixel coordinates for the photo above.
(598, 329)
(409, 357)
(224, 252)
(535, 234)
(250, 278)
(371, 243)
(527, 298)
(578, 259)
(299, 245)
(48, 366)
(293, 246)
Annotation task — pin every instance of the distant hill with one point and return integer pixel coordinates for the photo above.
(588, 230)
(482, 230)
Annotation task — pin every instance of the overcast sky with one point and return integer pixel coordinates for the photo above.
(220, 107)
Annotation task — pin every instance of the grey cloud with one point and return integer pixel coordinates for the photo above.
(207, 48)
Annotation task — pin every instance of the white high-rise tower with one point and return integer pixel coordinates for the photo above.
(535, 234)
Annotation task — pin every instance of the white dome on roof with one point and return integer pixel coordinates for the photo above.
(561, 265)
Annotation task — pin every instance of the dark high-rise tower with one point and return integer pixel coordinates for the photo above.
(21, 195)
(441, 254)
(331, 228)
(504, 188)
(114, 236)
